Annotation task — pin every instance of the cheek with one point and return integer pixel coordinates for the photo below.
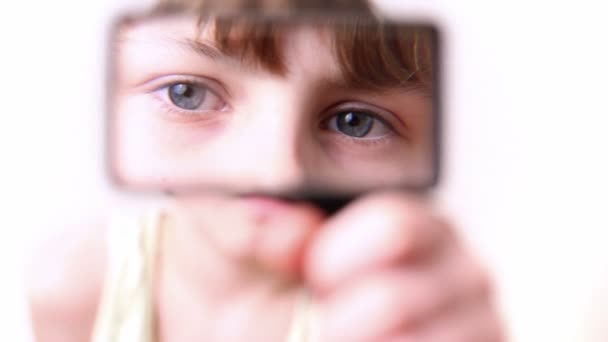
(346, 165)
(152, 148)
(220, 223)
(273, 239)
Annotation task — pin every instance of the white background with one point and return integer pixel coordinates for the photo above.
(526, 179)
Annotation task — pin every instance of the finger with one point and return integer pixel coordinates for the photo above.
(464, 311)
(283, 238)
(395, 300)
(461, 278)
(475, 322)
(372, 232)
(377, 305)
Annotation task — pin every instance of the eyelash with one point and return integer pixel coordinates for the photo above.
(372, 113)
(174, 110)
(160, 94)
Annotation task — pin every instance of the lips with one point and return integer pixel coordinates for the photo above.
(265, 206)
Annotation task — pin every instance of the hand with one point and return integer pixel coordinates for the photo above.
(387, 269)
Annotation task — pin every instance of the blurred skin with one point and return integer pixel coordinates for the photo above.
(385, 268)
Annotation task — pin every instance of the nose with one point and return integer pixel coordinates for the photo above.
(274, 143)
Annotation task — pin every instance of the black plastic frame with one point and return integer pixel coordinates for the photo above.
(328, 201)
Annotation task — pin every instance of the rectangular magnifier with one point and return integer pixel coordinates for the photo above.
(328, 104)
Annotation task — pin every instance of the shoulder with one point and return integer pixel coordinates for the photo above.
(64, 283)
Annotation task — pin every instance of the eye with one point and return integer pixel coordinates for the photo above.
(193, 97)
(358, 124)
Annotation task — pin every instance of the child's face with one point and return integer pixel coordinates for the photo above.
(187, 114)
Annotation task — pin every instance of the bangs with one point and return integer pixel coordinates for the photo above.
(371, 53)
(384, 55)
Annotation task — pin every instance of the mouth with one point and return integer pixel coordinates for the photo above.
(262, 206)
(267, 203)
(264, 203)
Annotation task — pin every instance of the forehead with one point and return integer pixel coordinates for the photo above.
(306, 49)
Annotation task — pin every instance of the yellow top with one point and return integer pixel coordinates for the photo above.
(125, 312)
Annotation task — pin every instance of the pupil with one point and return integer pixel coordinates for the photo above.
(355, 124)
(352, 120)
(184, 90)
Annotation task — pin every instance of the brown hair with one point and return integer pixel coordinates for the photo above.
(371, 53)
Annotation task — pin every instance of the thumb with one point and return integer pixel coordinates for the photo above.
(284, 235)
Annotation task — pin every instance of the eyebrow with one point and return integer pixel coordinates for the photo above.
(208, 50)
(203, 49)
(341, 83)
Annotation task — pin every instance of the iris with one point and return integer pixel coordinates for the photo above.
(354, 124)
(187, 96)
